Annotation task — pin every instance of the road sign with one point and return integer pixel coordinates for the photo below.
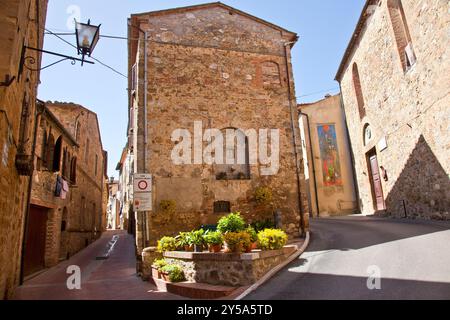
(142, 183)
(143, 201)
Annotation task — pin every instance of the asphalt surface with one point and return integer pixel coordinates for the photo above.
(346, 254)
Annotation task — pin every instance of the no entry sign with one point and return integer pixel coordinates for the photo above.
(142, 183)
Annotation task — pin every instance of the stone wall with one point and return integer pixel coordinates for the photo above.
(21, 22)
(408, 108)
(225, 70)
(225, 269)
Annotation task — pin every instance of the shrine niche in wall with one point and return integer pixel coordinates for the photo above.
(367, 134)
(329, 155)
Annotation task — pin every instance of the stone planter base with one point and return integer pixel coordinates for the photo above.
(228, 269)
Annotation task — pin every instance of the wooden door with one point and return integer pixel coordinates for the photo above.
(377, 188)
(34, 259)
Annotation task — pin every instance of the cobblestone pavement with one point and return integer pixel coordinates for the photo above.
(111, 279)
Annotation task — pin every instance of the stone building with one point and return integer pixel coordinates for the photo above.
(66, 205)
(113, 208)
(125, 189)
(328, 164)
(21, 24)
(394, 80)
(213, 67)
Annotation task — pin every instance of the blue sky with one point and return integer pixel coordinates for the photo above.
(324, 27)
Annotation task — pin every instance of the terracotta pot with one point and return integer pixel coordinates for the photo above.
(198, 248)
(165, 277)
(189, 248)
(215, 248)
(235, 249)
(155, 273)
(254, 245)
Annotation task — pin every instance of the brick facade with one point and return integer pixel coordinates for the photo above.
(21, 22)
(227, 69)
(401, 53)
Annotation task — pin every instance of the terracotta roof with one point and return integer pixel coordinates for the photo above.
(211, 5)
(354, 39)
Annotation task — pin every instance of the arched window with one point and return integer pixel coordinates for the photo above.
(50, 150)
(57, 155)
(44, 149)
(64, 162)
(77, 131)
(270, 72)
(358, 91)
(236, 164)
(401, 33)
(73, 170)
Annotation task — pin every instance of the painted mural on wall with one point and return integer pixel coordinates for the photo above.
(329, 155)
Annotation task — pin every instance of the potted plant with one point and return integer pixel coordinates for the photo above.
(272, 239)
(167, 244)
(253, 239)
(231, 223)
(157, 267)
(214, 240)
(197, 240)
(236, 242)
(173, 273)
(184, 241)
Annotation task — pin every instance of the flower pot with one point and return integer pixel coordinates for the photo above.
(239, 248)
(155, 273)
(165, 277)
(255, 245)
(198, 248)
(188, 248)
(215, 248)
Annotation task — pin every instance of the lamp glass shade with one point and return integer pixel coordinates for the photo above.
(87, 37)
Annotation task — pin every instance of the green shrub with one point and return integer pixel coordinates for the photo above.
(168, 206)
(252, 233)
(167, 244)
(197, 237)
(237, 241)
(159, 264)
(262, 225)
(175, 272)
(263, 195)
(272, 239)
(184, 239)
(231, 223)
(213, 238)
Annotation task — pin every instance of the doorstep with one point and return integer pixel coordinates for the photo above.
(194, 290)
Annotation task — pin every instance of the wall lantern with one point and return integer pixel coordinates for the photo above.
(87, 37)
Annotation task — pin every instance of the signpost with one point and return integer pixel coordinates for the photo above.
(142, 192)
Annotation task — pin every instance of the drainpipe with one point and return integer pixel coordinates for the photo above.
(30, 186)
(294, 138)
(312, 161)
(355, 181)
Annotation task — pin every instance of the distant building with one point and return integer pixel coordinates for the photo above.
(219, 68)
(125, 168)
(113, 209)
(394, 79)
(328, 158)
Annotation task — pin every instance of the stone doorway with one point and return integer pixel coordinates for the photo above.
(375, 180)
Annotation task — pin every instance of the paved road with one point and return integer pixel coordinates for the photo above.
(111, 279)
(413, 259)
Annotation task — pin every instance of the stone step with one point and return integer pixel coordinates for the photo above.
(194, 290)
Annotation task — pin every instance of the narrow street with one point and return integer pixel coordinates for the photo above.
(111, 279)
(412, 257)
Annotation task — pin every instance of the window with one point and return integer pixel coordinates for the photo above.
(236, 164)
(222, 207)
(367, 134)
(401, 33)
(44, 149)
(73, 170)
(57, 155)
(50, 150)
(77, 131)
(270, 74)
(134, 77)
(358, 91)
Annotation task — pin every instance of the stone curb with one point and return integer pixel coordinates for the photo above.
(275, 270)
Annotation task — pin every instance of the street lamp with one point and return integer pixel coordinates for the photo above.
(87, 37)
